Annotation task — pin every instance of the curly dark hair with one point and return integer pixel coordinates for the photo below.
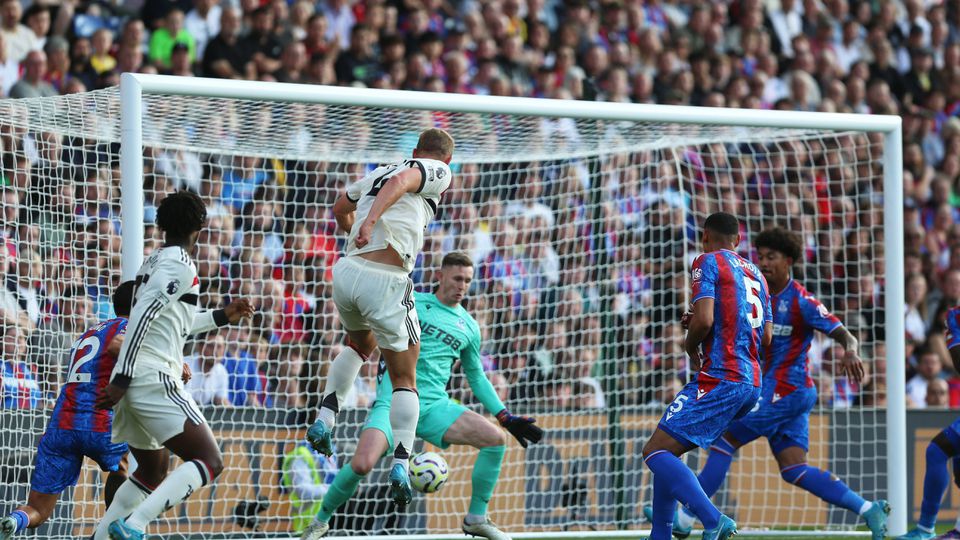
(181, 214)
(782, 240)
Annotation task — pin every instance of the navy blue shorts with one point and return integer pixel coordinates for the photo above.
(784, 421)
(704, 409)
(60, 457)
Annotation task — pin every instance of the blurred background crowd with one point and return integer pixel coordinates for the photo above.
(576, 260)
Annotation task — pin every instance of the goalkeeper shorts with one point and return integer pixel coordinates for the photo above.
(436, 417)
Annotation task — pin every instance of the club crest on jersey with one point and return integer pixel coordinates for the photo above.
(783, 307)
(173, 287)
(697, 274)
(462, 324)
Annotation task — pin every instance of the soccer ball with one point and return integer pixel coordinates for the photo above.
(428, 472)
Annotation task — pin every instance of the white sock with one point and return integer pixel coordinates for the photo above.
(340, 379)
(404, 412)
(867, 505)
(128, 496)
(174, 489)
(684, 518)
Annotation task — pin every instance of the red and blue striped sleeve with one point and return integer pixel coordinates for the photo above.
(953, 327)
(817, 316)
(704, 277)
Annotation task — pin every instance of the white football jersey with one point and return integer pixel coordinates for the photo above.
(164, 314)
(402, 225)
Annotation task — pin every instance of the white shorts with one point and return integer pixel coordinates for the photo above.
(153, 411)
(376, 297)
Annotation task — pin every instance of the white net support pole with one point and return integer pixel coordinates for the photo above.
(896, 353)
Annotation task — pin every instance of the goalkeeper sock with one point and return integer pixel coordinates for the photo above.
(671, 474)
(718, 464)
(340, 379)
(343, 487)
(935, 483)
(486, 471)
(174, 489)
(404, 412)
(128, 496)
(824, 485)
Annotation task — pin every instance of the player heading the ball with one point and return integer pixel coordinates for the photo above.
(386, 213)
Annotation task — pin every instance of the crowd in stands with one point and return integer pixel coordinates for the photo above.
(576, 261)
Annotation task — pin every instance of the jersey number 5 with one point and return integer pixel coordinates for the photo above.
(753, 288)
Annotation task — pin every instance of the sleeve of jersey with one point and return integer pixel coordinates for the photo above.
(704, 277)
(356, 189)
(479, 384)
(953, 328)
(207, 320)
(435, 177)
(817, 316)
(153, 296)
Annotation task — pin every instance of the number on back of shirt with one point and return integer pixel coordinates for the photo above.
(92, 347)
(753, 289)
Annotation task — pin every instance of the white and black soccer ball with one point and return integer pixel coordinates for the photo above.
(428, 472)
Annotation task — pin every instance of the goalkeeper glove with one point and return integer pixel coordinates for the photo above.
(521, 427)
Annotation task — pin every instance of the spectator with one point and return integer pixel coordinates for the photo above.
(357, 62)
(10, 311)
(227, 56)
(20, 387)
(32, 84)
(916, 316)
(17, 38)
(9, 68)
(210, 382)
(170, 33)
(203, 23)
(938, 395)
(929, 368)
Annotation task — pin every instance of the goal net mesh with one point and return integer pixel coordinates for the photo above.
(582, 232)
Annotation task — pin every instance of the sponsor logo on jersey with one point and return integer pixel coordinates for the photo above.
(776, 397)
(697, 274)
(701, 392)
(822, 310)
(440, 173)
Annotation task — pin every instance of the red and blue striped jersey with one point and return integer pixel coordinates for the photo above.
(953, 327)
(796, 314)
(90, 369)
(741, 308)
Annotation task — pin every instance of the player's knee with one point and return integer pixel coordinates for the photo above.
(794, 473)
(499, 438)
(362, 465)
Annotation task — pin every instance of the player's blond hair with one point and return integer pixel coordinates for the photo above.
(437, 142)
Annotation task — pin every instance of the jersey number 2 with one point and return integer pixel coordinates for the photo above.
(92, 345)
(753, 288)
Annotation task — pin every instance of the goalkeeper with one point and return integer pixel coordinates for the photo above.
(448, 333)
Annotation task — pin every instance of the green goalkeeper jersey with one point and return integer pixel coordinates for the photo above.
(446, 334)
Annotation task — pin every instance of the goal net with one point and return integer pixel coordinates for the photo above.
(582, 232)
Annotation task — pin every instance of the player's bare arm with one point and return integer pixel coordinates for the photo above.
(344, 211)
(767, 334)
(406, 181)
(850, 364)
(701, 321)
(113, 349)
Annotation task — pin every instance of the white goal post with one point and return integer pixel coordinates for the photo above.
(135, 88)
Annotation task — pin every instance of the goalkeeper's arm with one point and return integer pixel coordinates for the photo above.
(523, 428)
